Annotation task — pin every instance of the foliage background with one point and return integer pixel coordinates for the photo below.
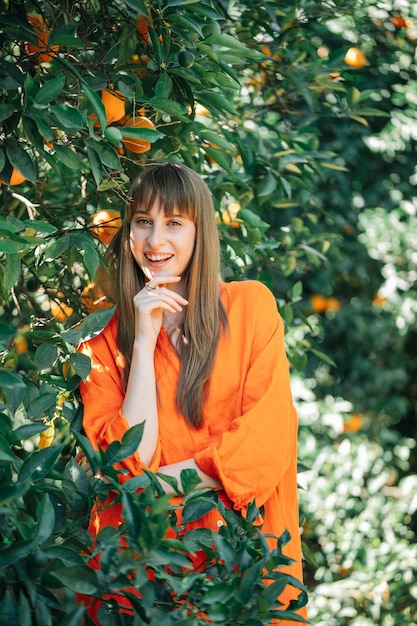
(312, 164)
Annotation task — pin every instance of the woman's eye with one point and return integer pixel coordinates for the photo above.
(174, 223)
(142, 221)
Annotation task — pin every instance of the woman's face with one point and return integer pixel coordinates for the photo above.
(161, 245)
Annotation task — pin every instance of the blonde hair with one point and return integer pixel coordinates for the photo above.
(176, 188)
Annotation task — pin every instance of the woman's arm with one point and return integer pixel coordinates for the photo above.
(140, 403)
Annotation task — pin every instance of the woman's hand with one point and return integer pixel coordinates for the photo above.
(150, 304)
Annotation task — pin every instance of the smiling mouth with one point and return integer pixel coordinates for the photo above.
(158, 257)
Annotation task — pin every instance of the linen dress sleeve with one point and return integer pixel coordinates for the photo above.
(258, 451)
(103, 395)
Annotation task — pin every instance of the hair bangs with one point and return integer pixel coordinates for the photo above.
(170, 188)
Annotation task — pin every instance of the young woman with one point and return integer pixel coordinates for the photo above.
(200, 361)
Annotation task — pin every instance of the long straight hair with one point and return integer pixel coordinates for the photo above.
(176, 188)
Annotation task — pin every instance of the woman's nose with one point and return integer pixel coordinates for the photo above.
(156, 236)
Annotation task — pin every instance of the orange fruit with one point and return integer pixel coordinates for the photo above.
(398, 21)
(333, 304)
(142, 28)
(353, 424)
(114, 106)
(138, 145)
(355, 58)
(200, 109)
(105, 224)
(319, 303)
(15, 179)
(68, 370)
(93, 298)
(60, 310)
(20, 343)
(43, 50)
(47, 436)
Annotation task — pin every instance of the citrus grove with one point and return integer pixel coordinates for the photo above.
(300, 117)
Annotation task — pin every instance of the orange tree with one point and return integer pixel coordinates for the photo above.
(91, 93)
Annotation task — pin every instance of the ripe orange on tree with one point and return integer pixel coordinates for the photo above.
(60, 310)
(114, 106)
(138, 146)
(93, 298)
(398, 21)
(353, 424)
(20, 343)
(15, 179)
(68, 370)
(142, 28)
(46, 437)
(355, 58)
(105, 224)
(43, 51)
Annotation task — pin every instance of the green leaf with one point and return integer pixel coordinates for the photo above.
(6, 453)
(323, 356)
(227, 41)
(12, 271)
(220, 157)
(128, 446)
(39, 464)
(137, 5)
(67, 117)
(63, 554)
(106, 154)
(74, 617)
(6, 110)
(82, 364)
(64, 36)
(91, 259)
(56, 249)
(90, 327)
(95, 164)
(11, 554)
(41, 227)
(97, 105)
(216, 139)
(149, 134)
(253, 219)
(196, 509)
(45, 513)
(45, 356)
(170, 107)
(10, 380)
(185, 24)
(226, 551)
(130, 513)
(164, 86)
(28, 430)
(68, 157)
(297, 290)
(12, 246)
(180, 3)
(215, 101)
(189, 480)
(20, 159)
(41, 405)
(49, 91)
(127, 45)
(9, 493)
(7, 333)
(79, 578)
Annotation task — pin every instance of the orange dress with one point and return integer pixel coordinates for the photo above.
(249, 437)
